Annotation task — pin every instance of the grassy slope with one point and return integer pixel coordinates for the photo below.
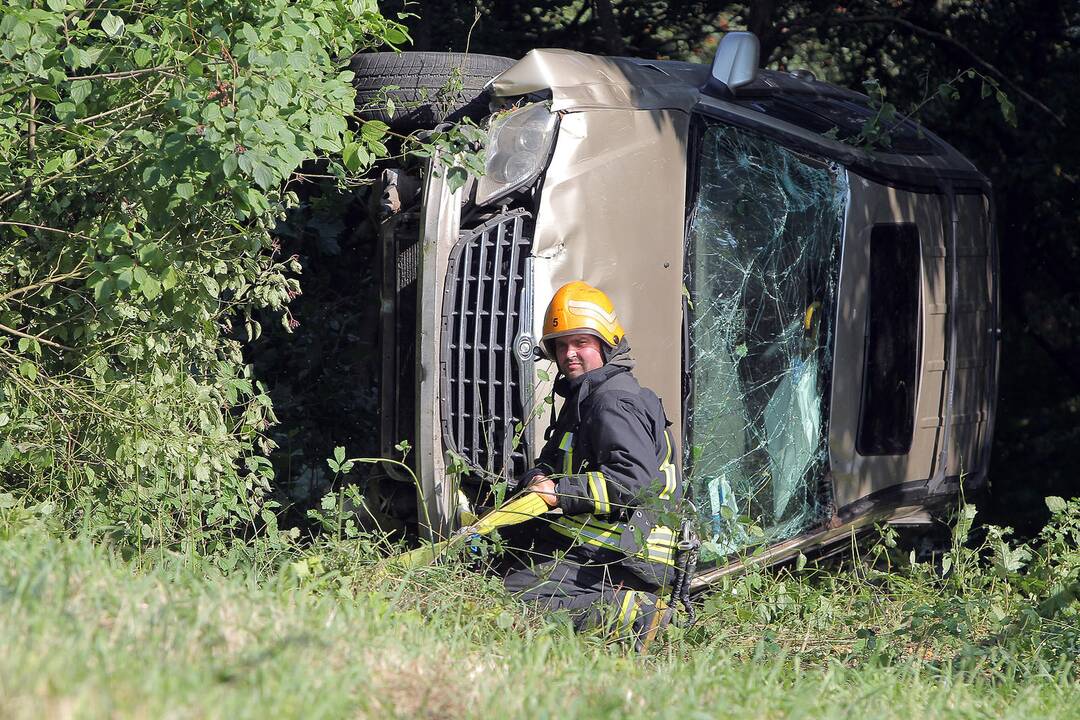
(87, 635)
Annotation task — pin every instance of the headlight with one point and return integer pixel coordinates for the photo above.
(519, 145)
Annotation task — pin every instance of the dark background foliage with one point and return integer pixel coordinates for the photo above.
(1032, 48)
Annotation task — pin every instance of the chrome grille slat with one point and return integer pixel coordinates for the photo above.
(481, 374)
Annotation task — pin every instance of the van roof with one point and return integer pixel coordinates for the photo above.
(802, 112)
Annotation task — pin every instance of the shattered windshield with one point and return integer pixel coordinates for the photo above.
(762, 267)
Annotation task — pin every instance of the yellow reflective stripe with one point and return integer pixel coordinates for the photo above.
(598, 491)
(659, 546)
(567, 446)
(659, 555)
(662, 535)
(589, 534)
(668, 469)
(628, 610)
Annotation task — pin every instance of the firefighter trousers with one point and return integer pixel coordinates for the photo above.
(597, 594)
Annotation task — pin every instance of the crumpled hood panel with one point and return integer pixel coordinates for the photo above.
(578, 82)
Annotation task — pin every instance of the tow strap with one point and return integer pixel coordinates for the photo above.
(515, 511)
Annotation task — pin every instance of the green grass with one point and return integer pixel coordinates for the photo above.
(87, 633)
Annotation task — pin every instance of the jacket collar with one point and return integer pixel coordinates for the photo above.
(575, 390)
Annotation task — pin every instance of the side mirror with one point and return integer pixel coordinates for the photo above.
(735, 64)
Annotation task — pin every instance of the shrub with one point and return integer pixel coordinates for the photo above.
(146, 150)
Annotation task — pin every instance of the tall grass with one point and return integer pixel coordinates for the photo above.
(87, 632)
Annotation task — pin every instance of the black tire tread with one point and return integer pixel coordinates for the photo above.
(418, 77)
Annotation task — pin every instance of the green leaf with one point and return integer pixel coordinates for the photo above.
(150, 288)
(143, 58)
(33, 62)
(112, 25)
(393, 36)
(1055, 504)
(339, 454)
(456, 177)
(46, 92)
(264, 178)
(373, 130)
(65, 111)
(103, 288)
(1008, 111)
(355, 156)
(185, 190)
(28, 370)
(57, 5)
(168, 278)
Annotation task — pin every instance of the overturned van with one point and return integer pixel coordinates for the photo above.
(820, 318)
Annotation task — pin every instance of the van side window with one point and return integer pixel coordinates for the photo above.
(887, 417)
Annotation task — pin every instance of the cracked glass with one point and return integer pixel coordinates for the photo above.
(763, 255)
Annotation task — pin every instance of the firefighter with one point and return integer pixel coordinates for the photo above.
(609, 466)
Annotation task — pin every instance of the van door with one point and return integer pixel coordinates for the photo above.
(890, 342)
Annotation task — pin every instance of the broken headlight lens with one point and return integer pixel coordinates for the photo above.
(519, 146)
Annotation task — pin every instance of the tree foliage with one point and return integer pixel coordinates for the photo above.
(146, 150)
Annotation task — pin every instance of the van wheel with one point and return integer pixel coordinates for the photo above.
(428, 87)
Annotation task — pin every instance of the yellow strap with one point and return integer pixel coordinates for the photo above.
(599, 492)
(518, 510)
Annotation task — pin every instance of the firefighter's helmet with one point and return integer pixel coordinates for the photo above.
(580, 308)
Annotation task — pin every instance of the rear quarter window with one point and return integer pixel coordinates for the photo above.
(891, 342)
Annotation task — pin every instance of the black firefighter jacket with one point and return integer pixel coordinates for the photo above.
(612, 459)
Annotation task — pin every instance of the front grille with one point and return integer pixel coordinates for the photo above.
(485, 309)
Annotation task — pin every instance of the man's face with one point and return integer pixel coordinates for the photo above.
(578, 354)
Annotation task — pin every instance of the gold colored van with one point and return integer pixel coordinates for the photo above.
(819, 317)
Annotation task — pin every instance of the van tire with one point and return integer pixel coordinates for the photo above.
(424, 95)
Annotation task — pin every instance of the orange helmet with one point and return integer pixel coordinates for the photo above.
(580, 308)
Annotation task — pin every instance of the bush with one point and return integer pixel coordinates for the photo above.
(145, 154)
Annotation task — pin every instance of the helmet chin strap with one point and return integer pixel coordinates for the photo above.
(551, 418)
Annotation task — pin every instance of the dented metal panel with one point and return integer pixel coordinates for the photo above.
(611, 213)
(588, 82)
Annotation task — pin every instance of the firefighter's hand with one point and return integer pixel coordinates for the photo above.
(545, 488)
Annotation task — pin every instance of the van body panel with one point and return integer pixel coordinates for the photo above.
(969, 418)
(874, 205)
(578, 81)
(439, 226)
(611, 213)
